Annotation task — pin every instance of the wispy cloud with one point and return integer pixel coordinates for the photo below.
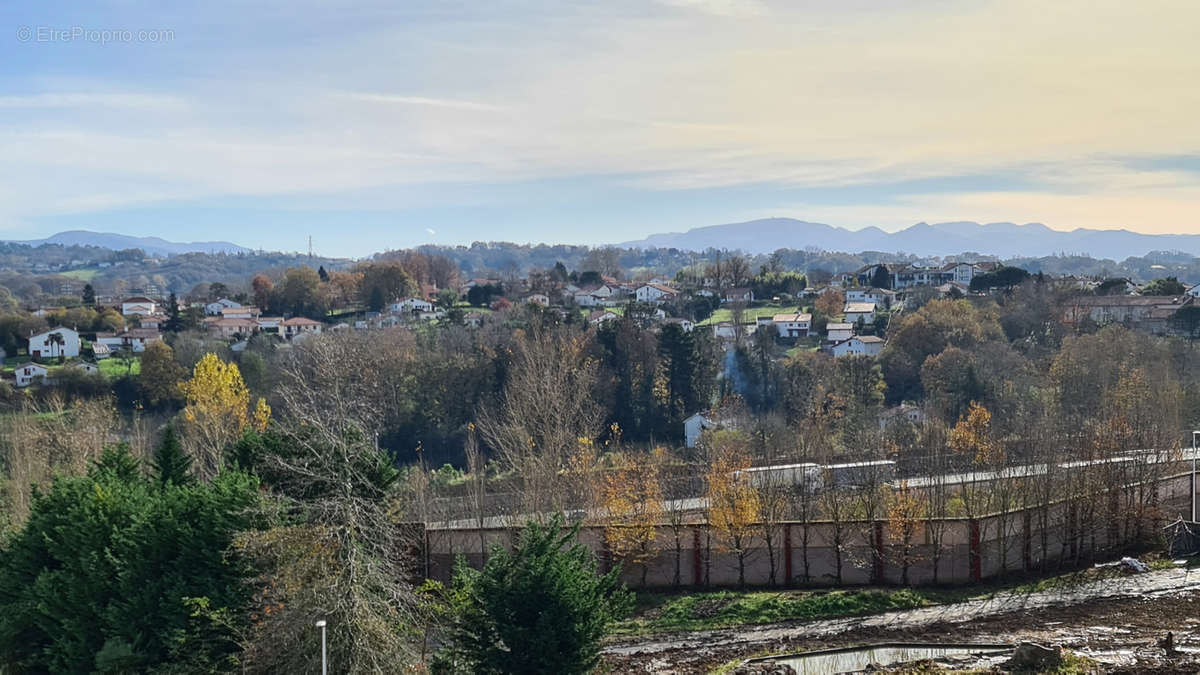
(422, 101)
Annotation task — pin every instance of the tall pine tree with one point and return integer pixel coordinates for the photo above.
(171, 464)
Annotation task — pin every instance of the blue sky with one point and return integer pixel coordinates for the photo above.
(372, 125)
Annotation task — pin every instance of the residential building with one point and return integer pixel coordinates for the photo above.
(855, 311)
(882, 297)
(215, 308)
(792, 325)
(54, 343)
(905, 412)
(684, 324)
(600, 316)
(227, 327)
(299, 325)
(134, 339)
(836, 332)
(1146, 313)
(739, 295)
(538, 299)
(410, 305)
(27, 373)
(653, 292)
(241, 312)
(138, 305)
(859, 344)
(693, 427)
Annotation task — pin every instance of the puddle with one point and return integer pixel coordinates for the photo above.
(855, 659)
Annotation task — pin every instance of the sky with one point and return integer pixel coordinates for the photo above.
(379, 124)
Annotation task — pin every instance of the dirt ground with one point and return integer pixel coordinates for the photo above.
(1117, 622)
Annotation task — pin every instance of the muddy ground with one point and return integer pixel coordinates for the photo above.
(1117, 622)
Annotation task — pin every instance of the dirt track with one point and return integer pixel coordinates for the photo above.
(1121, 615)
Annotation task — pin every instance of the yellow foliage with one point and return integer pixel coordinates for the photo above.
(733, 503)
(972, 435)
(632, 500)
(262, 415)
(216, 390)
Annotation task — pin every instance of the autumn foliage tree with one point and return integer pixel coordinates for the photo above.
(218, 411)
(633, 506)
(733, 503)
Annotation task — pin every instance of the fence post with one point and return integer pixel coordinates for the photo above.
(877, 545)
(976, 556)
(1027, 537)
(787, 553)
(696, 556)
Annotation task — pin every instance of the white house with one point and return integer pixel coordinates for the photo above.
(409, 305)
(693, 427)
(138, 305)
(684, 325)
(653, 292)
(53, 343)
(28, 372)
(836, 332)
(859, 344)
(601, 316)
(87, 367)
(134, 339)
(960, 273)
(859, 310)
(215, 308)
(903, 412)
(538, 299)
(793, 325)
(882, 297)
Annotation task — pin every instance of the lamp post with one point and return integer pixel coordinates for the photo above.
(324, 668)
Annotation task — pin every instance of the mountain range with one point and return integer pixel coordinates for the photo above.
(151, 245)
(1005, 240)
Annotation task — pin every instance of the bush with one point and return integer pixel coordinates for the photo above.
(540, 608)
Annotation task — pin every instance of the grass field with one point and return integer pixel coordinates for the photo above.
(113, 368)
(750, 313)
(86, 274)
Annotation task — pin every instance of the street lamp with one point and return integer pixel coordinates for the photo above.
(321, 625)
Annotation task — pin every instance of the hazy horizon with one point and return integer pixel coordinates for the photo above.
(373, 125)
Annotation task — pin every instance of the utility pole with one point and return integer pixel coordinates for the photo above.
(324, 663)
(310, 253)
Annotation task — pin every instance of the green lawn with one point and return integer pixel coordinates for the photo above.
(749, 314)
(114, 368)
(86, 274)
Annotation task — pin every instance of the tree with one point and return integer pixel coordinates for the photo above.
(323, 274)
(733, 503)
(217, 410)
(89, 296)
(260, 289)
(1187, 321)
(174, 322)
(160, 376)
(447, 298)
(632, 499)
(882, 278)
(217, 290)
(830, 303)
(1167, 286)
(383, 283)
(541, 608)
(298, 294)
(104, 575)
(171, 464)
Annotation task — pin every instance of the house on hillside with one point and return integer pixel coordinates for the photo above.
(693, 428)
(215, 308)
(905, 412)
(410, 305)
(540, 299)
(793, 325)
(739, 295)
(859, 344)
(882, 297)
(226, 327)
(299, 325)
(54, 343)
(655, 293)
(684, 324)
(859, 310)
(28, 373)
(1145, 313)
(241, 312)
(139, 305)
(133, 340)
(836, 332)
(601, 316)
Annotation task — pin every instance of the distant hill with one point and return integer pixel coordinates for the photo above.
(1005, 240)
(151, 245)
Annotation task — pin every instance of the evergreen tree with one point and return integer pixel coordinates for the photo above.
(89, 296)
(323, 274)
(171, 463)
(545, 592)
(174, 322)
